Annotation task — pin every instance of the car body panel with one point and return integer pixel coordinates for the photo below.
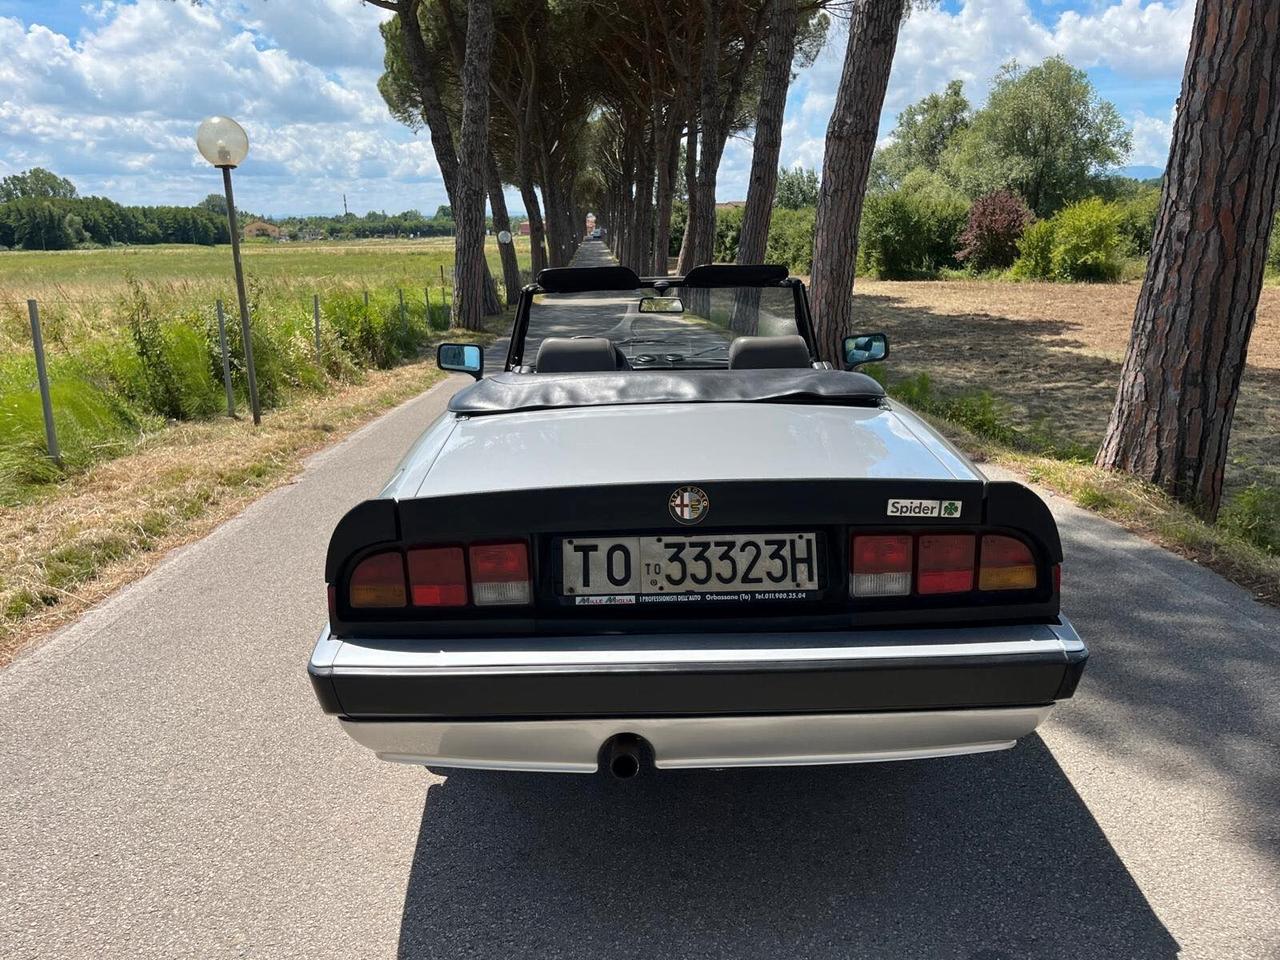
(675, 442)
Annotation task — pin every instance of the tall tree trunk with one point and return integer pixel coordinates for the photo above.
(668, 161)
(851, 139)
(1181, 374)
(537, 231)
(437, 120)
(473, 157)
(701, 228)
(684, 262)
(763, 181)
(502, 221)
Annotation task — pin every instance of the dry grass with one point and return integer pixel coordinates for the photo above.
(1051, 353)
(111, 524)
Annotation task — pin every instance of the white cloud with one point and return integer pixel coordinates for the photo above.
(1151, 137)
(116, 109)
(1139, 46)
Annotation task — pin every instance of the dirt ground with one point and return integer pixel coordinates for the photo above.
(1051, 353)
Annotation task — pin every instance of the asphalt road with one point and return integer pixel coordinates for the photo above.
(169, 788)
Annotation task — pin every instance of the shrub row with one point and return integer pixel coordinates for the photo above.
(926, 226)
(166, 365)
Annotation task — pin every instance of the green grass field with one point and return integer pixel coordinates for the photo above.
(133, 343)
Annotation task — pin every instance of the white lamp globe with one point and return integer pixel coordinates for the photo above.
(222, 142)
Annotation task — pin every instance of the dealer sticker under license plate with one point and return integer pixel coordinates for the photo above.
(628, 570)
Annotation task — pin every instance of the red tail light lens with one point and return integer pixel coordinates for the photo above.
(438, 577)
(500, 574)
(378, 581)
(1007, 564)
(880, 566)
(946, 564)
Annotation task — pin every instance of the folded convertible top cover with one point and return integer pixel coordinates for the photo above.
(506, 392)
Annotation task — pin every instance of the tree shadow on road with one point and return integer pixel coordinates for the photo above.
(983, 857)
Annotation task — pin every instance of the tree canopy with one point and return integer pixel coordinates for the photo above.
(797, 188)
(36, 184)
(1043, 132)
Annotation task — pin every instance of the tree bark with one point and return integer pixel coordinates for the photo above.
(668, 160)
(701, 226)
(537, 231)
(502, 221)
(684, 260)
(436, 118)
(1181, 374)
(473, 158)
(763, 179)
(851, 140)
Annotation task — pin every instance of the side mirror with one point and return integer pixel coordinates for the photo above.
(461, 358)
(661, 305)
(865, 348)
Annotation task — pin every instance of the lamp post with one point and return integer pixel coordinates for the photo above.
(224, 144)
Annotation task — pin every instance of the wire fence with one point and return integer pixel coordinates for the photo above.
(434, 318)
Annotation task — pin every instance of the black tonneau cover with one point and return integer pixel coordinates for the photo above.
(509, 392)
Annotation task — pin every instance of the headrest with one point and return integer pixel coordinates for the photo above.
(769, 353)
(578, 355)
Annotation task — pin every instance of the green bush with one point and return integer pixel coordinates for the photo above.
(1273, 249)
(912, 231)
(1137, 220)
(1086, 242)
(728, 232)
(1254, 514)
(791, 239)
(1035, 252)
(1080, 243)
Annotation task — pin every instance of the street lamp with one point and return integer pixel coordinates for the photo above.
(224, 144)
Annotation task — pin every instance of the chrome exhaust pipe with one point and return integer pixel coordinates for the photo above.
(622, 756)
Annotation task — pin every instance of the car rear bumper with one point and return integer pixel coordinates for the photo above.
(699, 700)
(573, 746)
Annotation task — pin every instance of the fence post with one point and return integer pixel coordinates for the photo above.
(366, 299)
(37, 341)
(444, 303)
(226, 361)
(315, 311)
(426, 298)
(403, 320)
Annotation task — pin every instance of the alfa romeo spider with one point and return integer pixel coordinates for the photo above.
(666, 533)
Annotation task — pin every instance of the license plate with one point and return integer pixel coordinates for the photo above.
(640, 569)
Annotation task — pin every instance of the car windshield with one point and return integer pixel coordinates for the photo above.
(680, 327)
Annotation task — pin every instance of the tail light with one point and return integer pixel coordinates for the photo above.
(491, 574)
(437, 577)
(883, 565)
(946, 563)
(880, 566)
(1006, 564)
(378, 581)
(500, 574)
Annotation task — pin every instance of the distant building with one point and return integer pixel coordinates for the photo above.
(524, 228)
(260, 228)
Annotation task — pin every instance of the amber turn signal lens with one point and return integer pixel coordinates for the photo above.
(1006, 564)
(378, 581)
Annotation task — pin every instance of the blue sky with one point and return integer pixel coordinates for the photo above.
(109, 92)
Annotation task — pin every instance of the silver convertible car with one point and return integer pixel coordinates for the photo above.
(667, 534)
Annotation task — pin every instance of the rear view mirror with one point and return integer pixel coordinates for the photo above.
(661, 305)
(865, 348)
(461, 358)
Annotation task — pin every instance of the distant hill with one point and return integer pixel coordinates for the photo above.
(1141, 172)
